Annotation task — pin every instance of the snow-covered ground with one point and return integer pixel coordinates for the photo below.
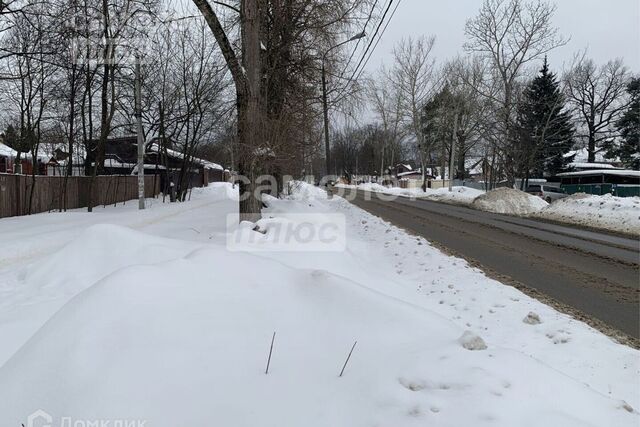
(619, 214)
(127, 315)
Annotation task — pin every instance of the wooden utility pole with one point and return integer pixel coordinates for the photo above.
(138, 106)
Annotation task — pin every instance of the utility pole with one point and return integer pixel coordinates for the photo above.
(453, 151)
(138, 107)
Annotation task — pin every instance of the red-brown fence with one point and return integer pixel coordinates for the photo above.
(49, 192)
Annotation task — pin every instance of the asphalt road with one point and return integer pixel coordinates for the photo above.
(596, 274)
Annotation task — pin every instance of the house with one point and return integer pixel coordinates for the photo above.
(8, 157)
(58, 162)
(400, 168)
(121, 158)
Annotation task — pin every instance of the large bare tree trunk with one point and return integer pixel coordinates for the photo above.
(247, 84)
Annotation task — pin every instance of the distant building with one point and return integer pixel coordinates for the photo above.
(579, 161)
(121, 158)
(8, 162)
(58, 163)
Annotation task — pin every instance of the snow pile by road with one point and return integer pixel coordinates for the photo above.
(176, 330)
(372, 186)
(459, 195)
(608, 212)
(620, 214)
(509, 201)
(299, 190)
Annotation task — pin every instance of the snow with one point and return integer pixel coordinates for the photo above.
(621, 214)
(7, 151)
(155, 148)
(618, 214)
(617, 172)
(459, 195)
(585, 165)
(509, 201)
(409, 172)
(471, 341)
(532, 319)
(146, 315)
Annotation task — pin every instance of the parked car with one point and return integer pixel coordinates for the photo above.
(546, 192)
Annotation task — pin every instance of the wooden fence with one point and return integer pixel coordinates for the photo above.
(49, 192)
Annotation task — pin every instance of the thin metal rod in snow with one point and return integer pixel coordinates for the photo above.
(270, 351)
(348, 357)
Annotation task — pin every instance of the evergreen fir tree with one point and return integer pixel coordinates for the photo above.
(545, 132)
(628, 148)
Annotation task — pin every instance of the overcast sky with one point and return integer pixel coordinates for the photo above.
(608, 28)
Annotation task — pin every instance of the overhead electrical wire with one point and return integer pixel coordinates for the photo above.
(379, 38)
(371, 41)
(355, 49)
(359, 70)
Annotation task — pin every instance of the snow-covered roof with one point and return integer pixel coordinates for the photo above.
(586, 165)
(618, 172)
(7, 151)
(210, 165)
(154, 147)
(114, 163)
(410, 172)
(147, 166)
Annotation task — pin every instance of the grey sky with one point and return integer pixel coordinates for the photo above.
(609, 29)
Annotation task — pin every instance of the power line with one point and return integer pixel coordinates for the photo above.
(374, 47)
(371, 41)
(355, 49)
(379, 38)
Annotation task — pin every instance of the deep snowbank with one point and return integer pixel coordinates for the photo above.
(176, 331)
(608, 212)
(509, 201)
(459, 195)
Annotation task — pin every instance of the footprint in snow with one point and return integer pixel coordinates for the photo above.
(532, 319)
(558, 338)
(413, 385)
(415, 411)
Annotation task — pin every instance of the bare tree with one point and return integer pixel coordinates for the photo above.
(245, 70)
(413, 77)
(598, 96)
(27, 87)
(509, 34)
(461, 77)
(387, 105)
